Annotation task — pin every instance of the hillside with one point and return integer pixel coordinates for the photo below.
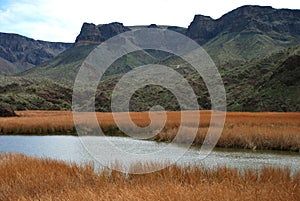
(268, 84)
(23, 94)
(19, 53)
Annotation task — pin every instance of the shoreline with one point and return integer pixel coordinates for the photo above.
(242, 130)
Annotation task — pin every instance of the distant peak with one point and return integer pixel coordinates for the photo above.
(202, 18)
(152, 26)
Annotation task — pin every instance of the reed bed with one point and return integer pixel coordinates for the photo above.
(26, 178)
(263, 130)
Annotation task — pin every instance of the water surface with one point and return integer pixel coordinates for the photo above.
(71, 149)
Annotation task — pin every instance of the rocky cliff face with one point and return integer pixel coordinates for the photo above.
(19, 53)
(247, 19)
(202, 29)
(90, 33)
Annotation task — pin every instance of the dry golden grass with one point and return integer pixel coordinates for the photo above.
(25, 178)
(264, 130)
(38, 122)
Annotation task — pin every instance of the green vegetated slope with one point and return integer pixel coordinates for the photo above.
(63, 68)
(267, 84)
(23, 94)
(237, 48)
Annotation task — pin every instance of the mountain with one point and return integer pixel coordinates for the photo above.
(256, 49)
(19, 53)
(246, 33)
(247, 19)
(243, 34)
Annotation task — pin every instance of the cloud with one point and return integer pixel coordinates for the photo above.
(61, 20)
(34, 19)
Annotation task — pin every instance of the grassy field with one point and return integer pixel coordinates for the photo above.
(25, 178)
(264, 130)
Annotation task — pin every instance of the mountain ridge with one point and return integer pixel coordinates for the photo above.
(250, 27)
(254, 28)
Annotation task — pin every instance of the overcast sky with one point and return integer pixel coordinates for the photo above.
(61, 20)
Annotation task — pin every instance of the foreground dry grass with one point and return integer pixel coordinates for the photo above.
(265, 130)
(25, 178)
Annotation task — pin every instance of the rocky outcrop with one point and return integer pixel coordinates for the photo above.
(202, 29)
(90, 33)
(24, 53)
(112, 29)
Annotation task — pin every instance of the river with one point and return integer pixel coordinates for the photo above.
(74, 149)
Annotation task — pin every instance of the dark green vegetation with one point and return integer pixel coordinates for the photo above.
(268, 84)
(6, 111)
(22, 94)
(256, 49)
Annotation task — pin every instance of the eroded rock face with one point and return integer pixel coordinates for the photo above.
(91, 33)
(246, 19)
(112, 29)
(6, 111)
(202, 29)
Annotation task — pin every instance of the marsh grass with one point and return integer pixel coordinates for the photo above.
(26, 178)
(264, 130)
